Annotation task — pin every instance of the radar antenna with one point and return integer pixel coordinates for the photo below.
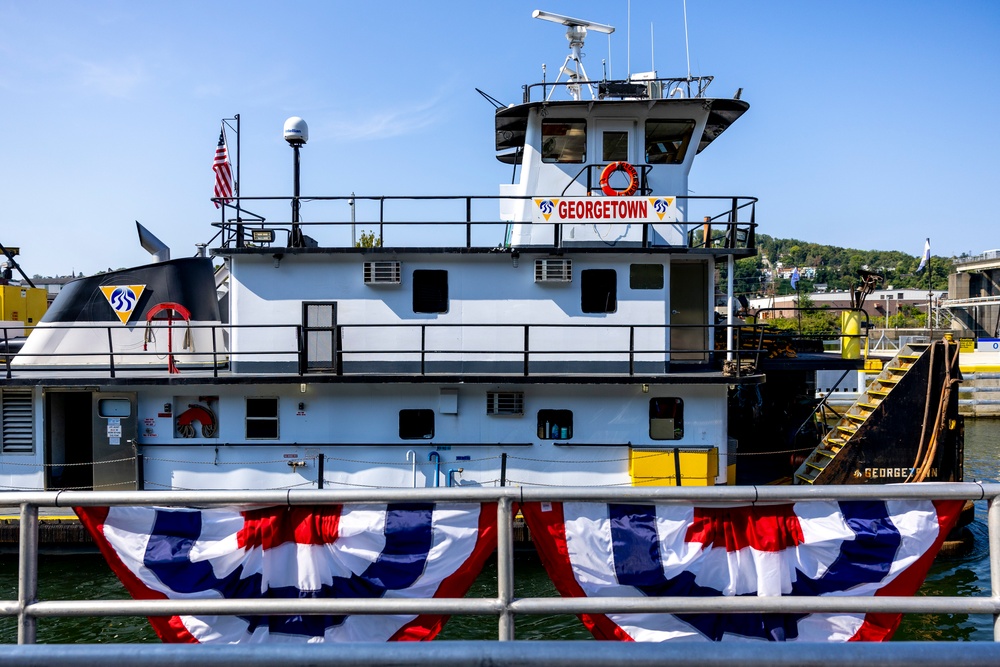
(576, 33)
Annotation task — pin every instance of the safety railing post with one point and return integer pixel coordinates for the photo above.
(505, 567)
(993, 535)
(27, 573)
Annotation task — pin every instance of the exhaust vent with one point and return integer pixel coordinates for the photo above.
(505, 402)
(382, 273)
(554, 270)
(15, 411)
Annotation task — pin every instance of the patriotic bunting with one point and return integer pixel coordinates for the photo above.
(411, 550)
(811, 548)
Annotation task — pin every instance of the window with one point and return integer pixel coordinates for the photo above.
(666, 418)
(114, 407)
(416, 424)
(564, 140)
(614, 146)
(667, 140)
(262, 418)
(16, 415)
(430, 291)
(555, 424)
(599, 290)
(505, 402)
(645, 276)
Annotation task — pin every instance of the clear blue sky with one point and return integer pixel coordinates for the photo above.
(872, 124)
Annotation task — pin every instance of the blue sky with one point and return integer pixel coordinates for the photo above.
(871, 123)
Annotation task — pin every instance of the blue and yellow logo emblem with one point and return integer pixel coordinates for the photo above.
(123, 299)
(547, 207)
(661, 205)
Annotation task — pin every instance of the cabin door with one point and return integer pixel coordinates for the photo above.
(688, 311)
(115, 431)
(320, 334)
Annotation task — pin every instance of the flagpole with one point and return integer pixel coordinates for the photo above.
(930, 294)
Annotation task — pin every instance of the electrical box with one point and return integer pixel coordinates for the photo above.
(19, 303)
(698, 466)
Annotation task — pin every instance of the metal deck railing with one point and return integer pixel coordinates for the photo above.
(421, 350)
(460, 221)
(505, 607)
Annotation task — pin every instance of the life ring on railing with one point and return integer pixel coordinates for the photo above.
(202, 415)
(184, 314)
(630, 172)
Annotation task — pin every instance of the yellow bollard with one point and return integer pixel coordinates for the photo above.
(850, 340)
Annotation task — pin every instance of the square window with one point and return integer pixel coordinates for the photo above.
(416, 424)
(645, 276)
(555, 424)
(666, 418)
(667, 140)
(430, 291)
(262, 419)
(599, 290)
(564, 140)
(614, 146)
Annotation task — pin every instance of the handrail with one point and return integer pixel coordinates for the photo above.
(621, 350)
(237, 232)
(28, 608)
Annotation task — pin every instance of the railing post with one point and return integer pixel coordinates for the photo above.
(505, 567)
(215, 355)
(631, 351)
(320, 469)
(468, 222)
(525, 350)
(27, 573)
(111, 352)
(423, 349)
(993, 535)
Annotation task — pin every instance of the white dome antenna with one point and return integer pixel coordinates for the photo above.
(296, 131)
(576, 33)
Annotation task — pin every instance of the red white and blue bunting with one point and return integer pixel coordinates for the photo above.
(423, 550)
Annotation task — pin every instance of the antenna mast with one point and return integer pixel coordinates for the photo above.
(576, 33)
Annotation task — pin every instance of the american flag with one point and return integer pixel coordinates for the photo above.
(223, 172)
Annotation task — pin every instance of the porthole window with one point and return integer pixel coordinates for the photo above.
(666, 418)
(430, 291)
(416, 424)
(555, 424)
(262, 419)
(599, 290)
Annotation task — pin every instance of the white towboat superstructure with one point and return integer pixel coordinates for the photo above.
(563, 333)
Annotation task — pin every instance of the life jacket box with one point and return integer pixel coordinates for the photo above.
(699, 466)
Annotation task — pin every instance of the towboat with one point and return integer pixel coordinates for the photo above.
(577, 329)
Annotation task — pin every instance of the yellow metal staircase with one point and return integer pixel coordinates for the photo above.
(837, 438)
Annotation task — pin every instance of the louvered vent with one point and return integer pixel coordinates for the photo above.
(553, 270)
(15, 408)
(382, 273)
(505, 402)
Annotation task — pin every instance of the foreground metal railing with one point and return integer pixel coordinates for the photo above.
(504, 606)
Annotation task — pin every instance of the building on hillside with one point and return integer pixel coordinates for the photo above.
(974, 291)
(879, 304)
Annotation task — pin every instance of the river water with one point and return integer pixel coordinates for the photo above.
(86, 576)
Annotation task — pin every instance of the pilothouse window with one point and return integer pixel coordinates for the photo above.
(614, 147)
(564, 140)
(667, 140)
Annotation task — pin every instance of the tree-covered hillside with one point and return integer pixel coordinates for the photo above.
(836, 267)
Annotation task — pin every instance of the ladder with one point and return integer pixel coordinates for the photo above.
(857, 416)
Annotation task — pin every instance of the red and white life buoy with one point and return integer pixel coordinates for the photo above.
(630, 172)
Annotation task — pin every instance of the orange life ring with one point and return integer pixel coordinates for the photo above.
(633, 179)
